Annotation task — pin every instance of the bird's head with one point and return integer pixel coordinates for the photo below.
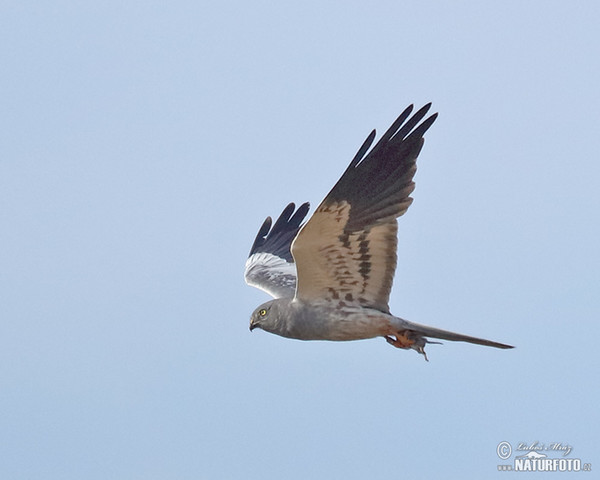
(266, 317)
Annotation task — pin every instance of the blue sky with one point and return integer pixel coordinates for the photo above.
(142, 144)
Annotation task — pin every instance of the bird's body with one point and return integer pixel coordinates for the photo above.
(322, 320)
(332, 277)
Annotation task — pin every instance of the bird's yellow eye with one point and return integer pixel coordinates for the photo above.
(262, 312)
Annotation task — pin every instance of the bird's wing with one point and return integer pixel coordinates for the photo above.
(270, 265)
(346, 252)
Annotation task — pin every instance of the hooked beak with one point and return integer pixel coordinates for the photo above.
(253, 326)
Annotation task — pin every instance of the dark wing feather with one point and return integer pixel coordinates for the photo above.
(270, 265)
(347, 250)
(378, 185)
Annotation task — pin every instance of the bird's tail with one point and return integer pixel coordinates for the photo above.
(411, 335)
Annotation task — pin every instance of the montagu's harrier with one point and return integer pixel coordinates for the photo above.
(331, 277)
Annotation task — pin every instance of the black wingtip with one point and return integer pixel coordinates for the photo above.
(277, 238)
(375, 175)
(261, 235)
(300, 213)
(363, 149)
(424, 126)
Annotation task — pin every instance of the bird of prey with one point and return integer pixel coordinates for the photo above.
(331, 276)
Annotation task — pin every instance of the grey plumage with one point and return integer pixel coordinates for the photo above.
(332, 277)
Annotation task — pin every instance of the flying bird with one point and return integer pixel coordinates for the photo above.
(331, 277)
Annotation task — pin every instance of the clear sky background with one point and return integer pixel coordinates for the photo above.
(142, 144)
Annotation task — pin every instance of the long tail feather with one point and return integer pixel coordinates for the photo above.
(433, 332)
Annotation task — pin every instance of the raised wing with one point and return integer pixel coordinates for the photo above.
(270, 265)
(346, 252)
